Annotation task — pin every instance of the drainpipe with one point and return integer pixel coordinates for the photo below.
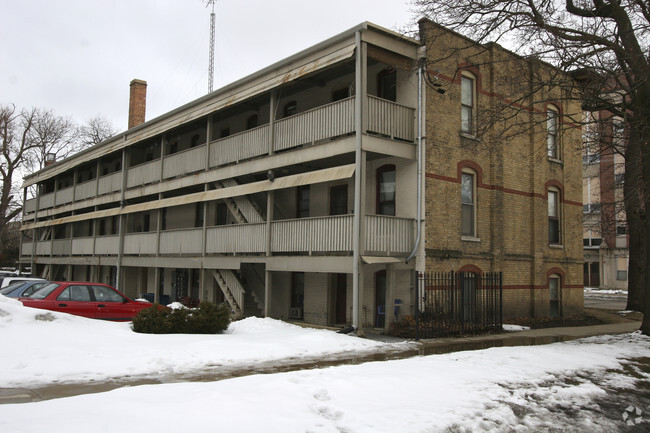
(421, 65)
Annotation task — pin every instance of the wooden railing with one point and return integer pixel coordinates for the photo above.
(330, 233)
(327, 121)
(390, 119)
(184, 162)
(384, 235)
(142, 174)
(184, 241)
(237, 147)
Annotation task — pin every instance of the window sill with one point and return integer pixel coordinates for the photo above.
(469, 136)
(556, 246)
(470, 239)
(555, 160)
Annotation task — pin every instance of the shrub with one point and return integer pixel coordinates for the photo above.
(209, 318)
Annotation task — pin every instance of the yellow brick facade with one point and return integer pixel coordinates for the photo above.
(512, 170)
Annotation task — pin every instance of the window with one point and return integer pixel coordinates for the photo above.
(621, 275)
(290, 108)
(302, 206)
(339, 94)
(621, 230)
(554, 295)
(553, 217)
(468, 204)
(106, 294)
(251, 122)
(297, 290)
(198, 214)
(386, 190)
(468, 104)
(195, 140)
(74, 293)
(221, 214)
(552, 144)
(387, 84)
(339, 200)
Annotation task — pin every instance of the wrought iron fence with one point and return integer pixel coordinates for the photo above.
(458, 302)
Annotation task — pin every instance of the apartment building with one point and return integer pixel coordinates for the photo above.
(293, 193)
(605, 238)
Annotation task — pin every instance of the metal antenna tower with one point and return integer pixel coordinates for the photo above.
(211, 54)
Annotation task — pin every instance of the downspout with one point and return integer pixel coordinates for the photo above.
(356, 226)
(419, 157)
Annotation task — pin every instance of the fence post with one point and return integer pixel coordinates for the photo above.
(417, 305)
(501, 299)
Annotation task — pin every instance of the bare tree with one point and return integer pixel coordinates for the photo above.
(51, 136)
(29, 137)
(17, 144)
(96, 130)
(604, 43)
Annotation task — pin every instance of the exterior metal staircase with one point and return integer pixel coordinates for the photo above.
(242, 208)
(242, 303)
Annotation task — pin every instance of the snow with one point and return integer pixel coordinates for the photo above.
(523, 389)
(596, 291)
(514, 328)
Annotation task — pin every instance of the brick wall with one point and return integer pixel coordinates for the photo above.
(512, 169)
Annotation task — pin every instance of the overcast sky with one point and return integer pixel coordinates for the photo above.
(77, 57)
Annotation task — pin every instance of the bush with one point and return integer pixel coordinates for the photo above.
(209, 318)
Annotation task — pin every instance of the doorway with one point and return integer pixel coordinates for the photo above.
(380, 299)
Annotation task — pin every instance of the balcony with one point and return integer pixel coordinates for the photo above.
(327, 122)
(384, 236)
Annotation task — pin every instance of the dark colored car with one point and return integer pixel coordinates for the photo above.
(22, 289)
(93, 300)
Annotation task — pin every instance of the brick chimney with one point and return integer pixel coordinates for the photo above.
(137, 102)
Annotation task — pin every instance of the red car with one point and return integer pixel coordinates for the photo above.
(93, 300)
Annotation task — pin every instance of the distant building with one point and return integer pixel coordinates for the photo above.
(292, 193)
(605, 239)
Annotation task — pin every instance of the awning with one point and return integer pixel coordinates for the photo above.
(372, 260)
(312, 177)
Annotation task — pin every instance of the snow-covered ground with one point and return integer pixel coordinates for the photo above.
(558, 387)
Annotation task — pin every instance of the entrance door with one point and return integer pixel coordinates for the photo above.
(380, 299)
(341, 295)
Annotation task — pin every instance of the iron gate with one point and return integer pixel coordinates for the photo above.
(458, 302)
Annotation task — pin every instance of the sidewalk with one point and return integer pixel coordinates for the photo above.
(426, 347)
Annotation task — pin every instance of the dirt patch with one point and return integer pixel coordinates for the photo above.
(591, 316)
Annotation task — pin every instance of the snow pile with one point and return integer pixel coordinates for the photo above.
(41, 347)
(557, 387)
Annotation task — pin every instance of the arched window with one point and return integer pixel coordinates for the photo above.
(552, 135)
(554, 217)
(468, 203)
(251, 122)
(290, 108)
(554, 285)
(468, 103)
(386, 190)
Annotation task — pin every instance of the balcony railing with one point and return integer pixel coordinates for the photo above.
(142, 174)
(320, 234)
(237, 147)
(328, 121)
(323, 123)
(85, 190)
(236, 238)
(390, 119)
(184, 162)
(64, 196)
(109, 183)
(384, 235)
(140, 243)
(181, 241)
